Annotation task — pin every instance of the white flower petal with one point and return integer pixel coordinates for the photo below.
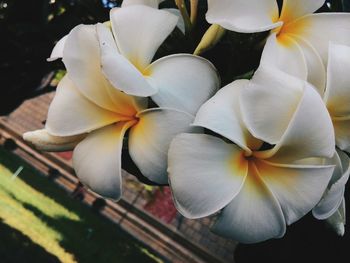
(342, 132)
(320, 29)
(97, 160)
(316, 71)
(337, 96)
(298, 188)
(284, 53)
(81, 57)
(205, 173)
(150, 138)
(184, 81)
(150, 3)
(44, 141)
(57, 51)
(333, 196)
(310, 132)
(181, 21)
(246, 16)
(123, 103)
(105, 38)
(139, 31)
(268, 103)
(222, 114)
(337, 220)
(254, 215)
(341, 162)
(70, 113)
(121, 73)
(83, 62)
(293, 9)
(329, 204)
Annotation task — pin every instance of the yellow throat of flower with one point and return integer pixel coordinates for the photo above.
(289, 29)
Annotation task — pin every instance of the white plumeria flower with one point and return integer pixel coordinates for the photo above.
(57, 51)
(103, 109)
(131, 48)
(150, 3)
(298, 43)
(259, 189)
(332, 204)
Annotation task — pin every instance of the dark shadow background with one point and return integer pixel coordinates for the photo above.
(29, 30)
(308, 240)
(11, 237)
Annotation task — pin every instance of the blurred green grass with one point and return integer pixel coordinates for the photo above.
(39, 222)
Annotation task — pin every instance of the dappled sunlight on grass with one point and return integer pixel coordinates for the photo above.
(43, 222)
(15, 193)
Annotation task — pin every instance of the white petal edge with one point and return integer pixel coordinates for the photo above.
(268, 103)
(150, 138)
(322, 28)
(285, 54)
(254, 215)
(342, 134)
(121, 73)
(150, 3)
(81, 56)
(181, 21)
(245, 16)
(316, 70)
(57, 51)
(222, 114)
(300, 139)
(184, 81)
(334, 195)
(298, 188)
(205, 173)
(70, 113)
(337, 221)
(97, 160)
(122, 101)
(294, 9)
(337, 94)
(139, 31)
(44, 141)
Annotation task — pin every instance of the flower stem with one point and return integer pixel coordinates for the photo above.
(184, 13)
(194, 11)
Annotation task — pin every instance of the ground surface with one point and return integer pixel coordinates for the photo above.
(40, 223)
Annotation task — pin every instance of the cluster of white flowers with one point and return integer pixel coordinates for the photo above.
(276, 146)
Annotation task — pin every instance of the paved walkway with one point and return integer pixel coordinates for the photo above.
(157, 202)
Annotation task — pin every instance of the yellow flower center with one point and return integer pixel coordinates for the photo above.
(291, 27)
